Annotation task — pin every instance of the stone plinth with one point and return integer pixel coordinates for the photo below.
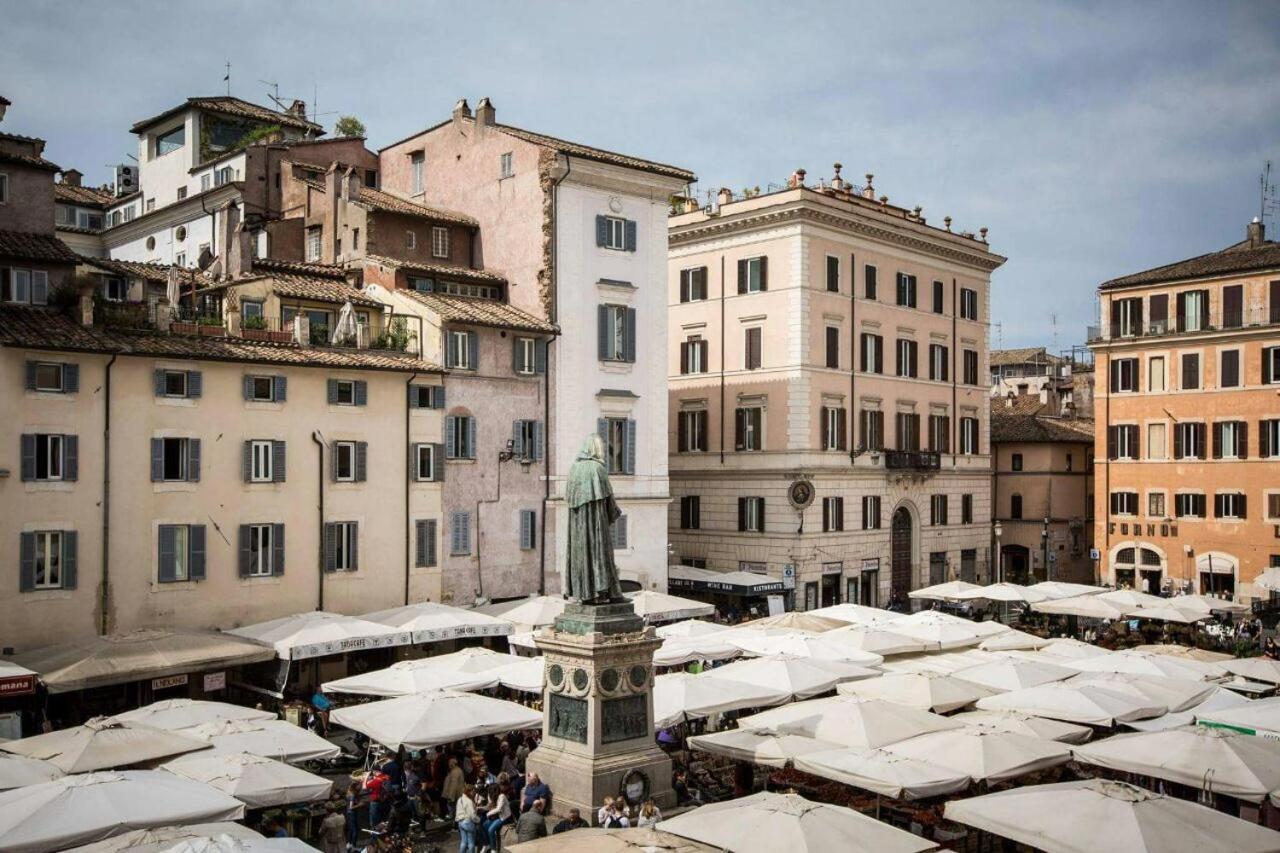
(597, 718)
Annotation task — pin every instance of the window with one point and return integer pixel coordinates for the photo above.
(462, 350)
(833, 347)
(1193, 310)
(832, 515)
(530, 356)
(114, 290)
(1271, 365)
(341, 546)
(4, 188)
(938, 510)
(970, 367)
(1269, 438)
(417, 160)
(619, 437)
(225, 175)
(872, 353)
(869, 281)
(939, 297)
(618, 532)
(752, 346)
(1187, 505)
(47, 560)
(260, 461)
(1015, 506)
(175, 460)
(966, 509)
(751, 515)
(1124, 503)
(908, 429)
(1155, 505)
(439, 242)
(424, 462)
(410, 240)
(1124, 375)
(460, 437)
(906, 365)
(1273, 506)
(749, 428)
(355, 239)
(1069, 463)
(691, 431)
(1190, 373)
(181, 549)
(968, 304)
(833, 274)
(348, 392)
(833, 428)
(1156, 373)
(130, 213)
(1229, 368)
(753, 275)
(872, 428)
(1157, 441)
(1123, 441)
(870, 512)
(1188, 441)
(1126, 317)
(693, 355)
(526, 440)
(171, 140)
(1016, 462)
(690, 512)
(505, 167)
(693, 284)
(424, 551)
(460, 534)
(940, 433)
(528, 529)
(1230, 440)
(206, 182)
(313, 243)
(349, 461)
(615, 232)
(30, 287)
(938, 358)
(52, 376)
(968, 436)
(49, 457)
(906, 290)
(259, 550)
(265, 389)
(617, 333)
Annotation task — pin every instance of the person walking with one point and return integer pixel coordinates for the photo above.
(353, 815)
(454, 782)
(333, 829)
(467, 820)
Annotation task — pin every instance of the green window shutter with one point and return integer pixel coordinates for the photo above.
(630, 447)
(277, 549)
(630, 235)
(167, 540)
(157, 460)
(28, 444)
(245, 550)
(420, 542)
(526, 529)
(603, 317)
(517, 356)
(248, 387)
(540, 356)
(278, 461)
(195, 384)
(27, 562)
(471, 432)
(451, 436)
(31, 376)
(362, 461)
(517, 442)
(602, 230)
(437, 397)
(742, 276)
(193, 460)
(437, 463)
(196, 540)
(362, 392)
(70, 458)
(355, 544)
(537, 441)
(686, 282)
(473, 349)
(70, 542)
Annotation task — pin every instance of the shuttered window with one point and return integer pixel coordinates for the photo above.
(619, 437)
(753, 354)
(528, 356)
(181, 553)
(968, 304)
(1230, 505)
(1124, 503)
(616, 333)
(1231, 440)
(871, 429)
(265, 389)
(907, 364)
(966, 509)
(47, 560)
(833, 428)
(263, 461)
(906, 290)
(261, 550)
(749, 428)
(693, 284)
(175, 460)
(691, 431)
(969, 436)
(528, 529)
(426, 396)
(1124, 375)
(833, 274)
(1269, 438)
(462, 350)
(526, 440)
(460, 534)
(870, 512)
(181, 384)
(1190, 371)
(50, 457)
(940, 433)
(342, 546)
(460, 437)
(693, 355)
(832, 514)
(938, 510)
(424, 462)
(620, 534)
(872, 353)
(939, 297)
(939, 363)
(970, 367)
(425, 542)
(690, 512)
(349, 461)
(753, 275)
(613, 232)
(869, 282)
(52, 377)
(1186, 505)
(1189, 441)
(348, 392)
(908, 431)
(833, 347)
(751, 515)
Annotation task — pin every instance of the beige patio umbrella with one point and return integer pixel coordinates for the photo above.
(879, 641)
(1099, 816)
(276, 739)
(438, 717)
(533, 612)
(690, 628)
(947, 663)
(1143, 664)
(1011, 593)
(1062, 589)
(1086, 606)
(160, 838)
(411, 676)
(1259, 669)
(174, 714)
(799, 677)
(681, 696)
(885, 773)
(256, 781)
(656, 606)
(796, 621)
(1024, 724)
(949, 591)
(937, 629)
(925, 691)
(431, 622)
(1176, 694)
(1014, 674)
(1012, 640)
(983, 754)
(675, 651)
(856, 614)
(769, 823)
(1269, 580)
(850, 721)
(1073, 703)
(1214, 760)
(1069, 647)
(19, 770)
(102, 744)
(475, 659)
(1258, 716)
(766, 747)
(1219, 699)
(1168, 612)
(817, 647)
(1175, 650)
(1208, 604)
(595, 840)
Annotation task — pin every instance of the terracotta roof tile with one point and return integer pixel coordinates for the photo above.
(475, 311)
(600, 155)
(227, 105)
(316, 282)
(443, 270)
(372, 199)
(87, 196)
(26, 246)
(1021, 356)
(1028, 423)
(1238, 258)
(151, 273)
(29, 160)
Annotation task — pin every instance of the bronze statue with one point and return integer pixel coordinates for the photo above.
(591, 576)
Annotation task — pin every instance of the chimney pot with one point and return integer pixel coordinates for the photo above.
(485, 113)
(461, 109)
(1256, 233)
(725, 195)
(298, 108)
(982, 232)
(946, 220)
(71, 177)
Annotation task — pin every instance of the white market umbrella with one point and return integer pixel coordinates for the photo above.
(344, 326)
(1215, 760)
(949, 591)
(1259, 715)
(471, 660)
(680, 696)
(1258, 669)
(1131, 598)
(1219, 699)
(885, 773)
(856, 614)
(795, 621)
(598, 840)
(429, 622)
(937, 629)
(18, 770)
(269, 738)
(523, 640)
(984, 755)
(1208, 604)
(1025, 724)
(925, 691)
(172, 289)
(879, 640)
(1269, 580)
(1175, 650)
(1012, 640)
(1062, 589)
(1100, 816)
(654, 606)
(230, 844)
(799, 677)
(430, 719)
(1073, 703)
(819, 647)
(533, 612)
(1072, 649)
(174, 714)
(1176, 694)
(690, 628)
(253, 780)
(523, 674)
(1168, 612)
(768, 823)
(946, 663)
(102, 744)
(1137, 663)
(95, 806)
(850, 721)
(159, 838)
(318, 633)
(676, 651)
(1014, 674)
(1004, 592)
(411, 676)
(1085, 606)
(765, 747)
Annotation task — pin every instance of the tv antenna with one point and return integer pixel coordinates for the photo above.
(1266, 194)
(1053, 320)
(999, 336)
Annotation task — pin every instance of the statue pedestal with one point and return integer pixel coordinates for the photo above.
(597, 718)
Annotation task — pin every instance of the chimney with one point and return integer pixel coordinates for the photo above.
(84, 304)
(298, 108)
(461, 110)
(485, 115)
(1256, 233)
(725, 195)
(71, 177)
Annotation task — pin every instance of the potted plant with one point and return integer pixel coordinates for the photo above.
(210, 326)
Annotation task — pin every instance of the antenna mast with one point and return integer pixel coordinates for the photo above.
(1266, 193)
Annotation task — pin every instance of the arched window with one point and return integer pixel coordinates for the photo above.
(1149, 557)
(1125, 557)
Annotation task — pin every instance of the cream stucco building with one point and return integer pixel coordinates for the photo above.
(827, 346)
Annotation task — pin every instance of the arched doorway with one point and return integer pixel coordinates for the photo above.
(1017, 564)
(900, 550)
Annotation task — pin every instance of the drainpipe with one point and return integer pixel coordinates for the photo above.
(853, 359)
(722, 365)
(546, 403)
(319, 440)
(480, 502)
(408, 480)
(955, 411)
(546, 471)
(106, 500)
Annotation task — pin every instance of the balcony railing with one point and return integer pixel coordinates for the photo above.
(1187, 325)
(912, 460)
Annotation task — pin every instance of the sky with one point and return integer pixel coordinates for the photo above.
(1092, 139)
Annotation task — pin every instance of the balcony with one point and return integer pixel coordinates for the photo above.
(1184, 325)
(912, 460)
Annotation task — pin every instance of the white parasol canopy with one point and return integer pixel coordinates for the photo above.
(1014, 674)
(475, 659)
(1071, 648)
(318, 633)
(1208, 604)
(1175, 650)
(157, 839)
(18, 770)
(231, 844)
(942, 633)
(1073, 703)
(344, 327)
(1260, 715)
(268, 738)
(929, 617)
(690, 628)
(1013, 640)
(527, 613)
(1269, 580)
(926, 691)
(1219, 699)
(984, 755)
(1216, 760)
(253, 780)
(1100, 816)
(856, 614)
(1259, 669)
(799, 677)
(174, 714)
(1131, 598)
(946, 663)
(1007, 592)
(1025, 724)
(1087, 606)
(676, 651)
(794, 621)
(1062, 589)
(765, 747)
(879, 640)
(1176, 694)
(102, 744)
(850, 721)
(768, 823)
(656, 606)
(818, 646)
(1169, 612)
(94, 806)
(680, 696)
(523, 674)
(949, 591)
(411, 676)
(429, 719)
(596, 840)
(883, 772)
(429, 622)
(1139, 663)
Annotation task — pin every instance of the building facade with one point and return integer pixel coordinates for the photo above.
(828, 406)
(1188, 414)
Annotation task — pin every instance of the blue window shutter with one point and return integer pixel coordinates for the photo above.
(451, 436)
(431, 535)
(602, 230)
(70, 541)
(158, 379)
(280, 388)
(333, 391)
(540, 357)
(413, 397)
(195, 538)
(629, 336)
(537, 441)
(517, 445)
(28, 457)
(27, 562)
(193, 460)
(245, 550)
(277, 549)
(70, 458)
(465, 534)
(246, 461)
(355, 545)
(526, 529)
(157, 460)
(603, 316)
(631, 235)
(31, 376)
(195, 383)
(248, 387)
(437, 463)
(471, 434)
(437, 397)
(70, 378)
(362, 461)
(277, 461)
(516, 359)
(473, 347)
(618, 533)
(602, 428)
(330, 547)
(362, 392)
(168, 553)
(420, 542)
(631, 447)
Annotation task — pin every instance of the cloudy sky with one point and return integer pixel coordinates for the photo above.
(1093, 139)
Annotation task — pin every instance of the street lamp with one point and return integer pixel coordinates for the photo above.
(998, 530)
(1044, 535)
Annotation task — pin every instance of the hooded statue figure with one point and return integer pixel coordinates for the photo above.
(591, 577)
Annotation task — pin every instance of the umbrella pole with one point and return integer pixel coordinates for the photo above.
(877, 806)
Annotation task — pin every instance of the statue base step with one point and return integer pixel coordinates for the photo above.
(582, 783)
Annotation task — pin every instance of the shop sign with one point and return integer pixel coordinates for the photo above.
(215, 681)
(17, 685)
(789, 576)
(168, 681)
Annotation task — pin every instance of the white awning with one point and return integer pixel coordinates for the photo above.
(318, 633)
